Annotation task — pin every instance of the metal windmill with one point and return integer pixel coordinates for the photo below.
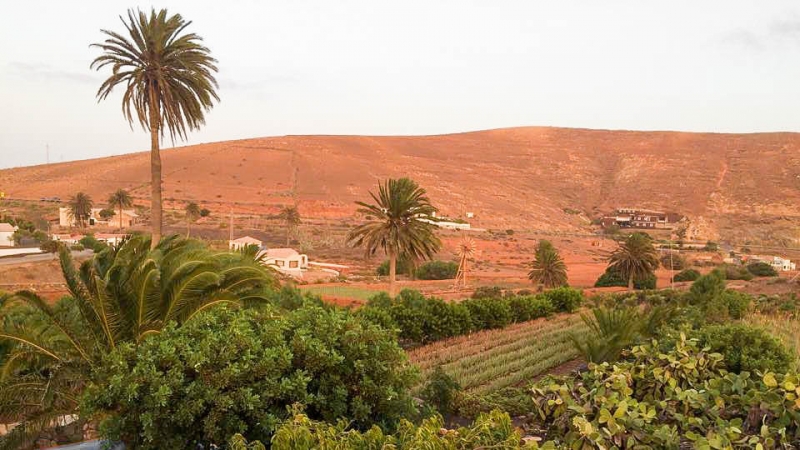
(466, 250)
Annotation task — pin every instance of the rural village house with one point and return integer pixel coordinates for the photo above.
(7, 234)
(129, 218)
(243, 242)
(642, 218)
(286, 260)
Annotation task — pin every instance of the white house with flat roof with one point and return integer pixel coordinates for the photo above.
(7, 234)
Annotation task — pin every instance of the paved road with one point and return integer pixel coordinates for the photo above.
(41, 257)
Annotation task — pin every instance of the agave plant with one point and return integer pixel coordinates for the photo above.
(123, 294)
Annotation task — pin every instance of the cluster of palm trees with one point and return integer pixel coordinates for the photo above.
(80, 206)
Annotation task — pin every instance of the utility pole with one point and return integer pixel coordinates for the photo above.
(230, 227)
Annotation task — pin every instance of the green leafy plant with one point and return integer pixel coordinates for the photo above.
(233, 372)
(440, 391)
(548, 268)
(746, 349)
(437, 270)
(686, 275)
(564, 299)
(762, 269)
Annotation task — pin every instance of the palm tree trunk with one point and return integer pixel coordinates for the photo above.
(188, 229)
(630, 282)
(392, 274)
(287, 234)
(155, 171)
(120, 217)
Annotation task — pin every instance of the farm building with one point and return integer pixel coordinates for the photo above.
(243, 242)
(7, 234)
(129, 218)
(286, 260)
(642, 218)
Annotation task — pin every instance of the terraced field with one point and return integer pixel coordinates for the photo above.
(494, 359)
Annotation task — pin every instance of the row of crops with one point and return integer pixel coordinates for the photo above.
(494, 359)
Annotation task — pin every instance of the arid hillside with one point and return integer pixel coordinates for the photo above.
(739, 186)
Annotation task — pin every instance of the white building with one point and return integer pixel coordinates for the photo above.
(446, 225)
(7, 234)
(286, 260)
(129, 218)
(782, 264)
(243, 242)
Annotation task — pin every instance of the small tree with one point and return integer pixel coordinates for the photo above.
(635, 258)
(107, 214)
(396, 228)
(120, 199)
(291, 217)
(192, 214)
(80, 209)
(548, 269)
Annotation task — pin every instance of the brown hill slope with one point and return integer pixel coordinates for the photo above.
(742, 185)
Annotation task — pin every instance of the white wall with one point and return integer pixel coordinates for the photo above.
(18, 251)
(6, 239)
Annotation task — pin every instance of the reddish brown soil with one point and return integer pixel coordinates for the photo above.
(522, 178)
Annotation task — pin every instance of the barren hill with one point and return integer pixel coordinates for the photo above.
(744, 186)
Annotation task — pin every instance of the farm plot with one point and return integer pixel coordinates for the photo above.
(494, 359)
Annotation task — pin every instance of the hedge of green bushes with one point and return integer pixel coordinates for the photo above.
(419, 319)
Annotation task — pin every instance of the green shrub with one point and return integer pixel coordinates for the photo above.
(686, 275)
(205, 212)
(610, 278)
(232, 372)
(440, 391)
(488, 292)
(76, 247)
(403, 267)
(488, 313)
(680, 398)
(90, 242)
(49, 246)
(745, 348)
(677, 262)
(529, 307)
(733, 272)
(762, 269)
(489, 431)
(707, 287)
(443, 320)
(711, 246)
(437, 270)
(564, 299)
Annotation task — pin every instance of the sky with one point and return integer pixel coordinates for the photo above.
(413, 67)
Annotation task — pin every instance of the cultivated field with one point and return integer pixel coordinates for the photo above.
(494, 359)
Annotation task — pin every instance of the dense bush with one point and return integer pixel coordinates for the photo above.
(564, 299)
(489, 431)
(683, 398)
(529, 307)
(762, 269)
(403, 266)
(49, 246)
(733, 272)
(746, 349)
(686, 275)
(238, 371)
(418, 319)
(488, 292)
(437, 270)
(440, 391)
(611, 278)
(488, 313)
(707, 287)
(90, 242)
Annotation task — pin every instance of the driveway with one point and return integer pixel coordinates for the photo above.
(39, 257)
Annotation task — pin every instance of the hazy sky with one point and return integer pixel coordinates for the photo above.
(414, 67)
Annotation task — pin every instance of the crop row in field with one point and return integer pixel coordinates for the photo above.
(494, 359)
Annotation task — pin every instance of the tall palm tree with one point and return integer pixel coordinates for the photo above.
(635, 258)
(192, 214)
(120, 199)
(291, 216)
(396, 227)
(122, 295)
(548, 269)
(80, 208)
(168, 78)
